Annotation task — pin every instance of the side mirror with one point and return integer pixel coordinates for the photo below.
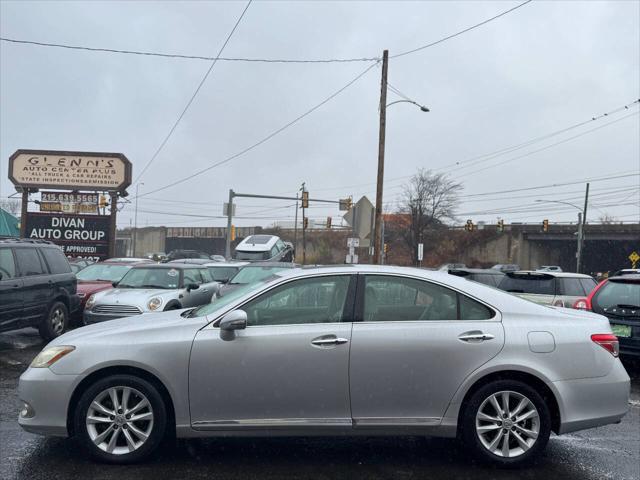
(192, 286)
(232, 321)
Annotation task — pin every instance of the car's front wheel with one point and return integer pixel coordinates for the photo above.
(506, 422)
(120, 419)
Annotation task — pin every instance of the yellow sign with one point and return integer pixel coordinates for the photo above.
(634, 257)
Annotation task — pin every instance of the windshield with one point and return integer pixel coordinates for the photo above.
(222, 274)
(254, 274)
(618, 295)
(221, 302)
(240, 255)
(103, 272)
(151, 278)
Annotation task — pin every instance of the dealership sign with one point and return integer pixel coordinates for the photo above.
(85, 236)
(66, 202)
(71, 170)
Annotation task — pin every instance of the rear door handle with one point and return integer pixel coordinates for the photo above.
(328, 341)
(475, 336)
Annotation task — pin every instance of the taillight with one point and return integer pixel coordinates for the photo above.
(608, 341)
(582, 304)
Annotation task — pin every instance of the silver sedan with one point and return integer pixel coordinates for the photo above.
(334, 350)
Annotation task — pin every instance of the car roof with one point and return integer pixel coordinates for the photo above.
(487, 271)
(257, 243)
(171, 266)
(621, 278)
(272, 264)
(226, 264)
(550, 273)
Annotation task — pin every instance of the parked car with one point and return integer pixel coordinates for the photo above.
(506, 267)
(191, 261)
(224, 272)
(549, 268)
(156, 256)
(78, 264)
(618, 299)
(180, 254)
(37, 287)
(560, 289)
(152, 288)
(263, 248)
(451, 266)
(96, 278)
(487, 276)
(626, 271)
(252, 273)
(302, 353)
(218, 258)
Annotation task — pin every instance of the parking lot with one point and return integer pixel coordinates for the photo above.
(608, 452)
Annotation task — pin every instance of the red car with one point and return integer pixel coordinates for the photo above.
(618, 299)
(98, 277)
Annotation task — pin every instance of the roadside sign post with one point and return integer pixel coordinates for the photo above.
(352, 243)
(634, 257)
(420, 253)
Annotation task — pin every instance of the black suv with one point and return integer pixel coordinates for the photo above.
(37, 287)
(181, 254)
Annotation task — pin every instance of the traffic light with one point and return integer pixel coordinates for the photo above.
(305, 223)
(545, 225)
(500, 226)
(233, 232)
(305, 199)
(469, 226)
(328, 222)
(103, 203)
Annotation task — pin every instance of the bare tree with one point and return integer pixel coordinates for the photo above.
(10, 205)
(428, 200)
(607, 219)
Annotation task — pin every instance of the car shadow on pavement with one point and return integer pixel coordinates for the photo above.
(283, 458)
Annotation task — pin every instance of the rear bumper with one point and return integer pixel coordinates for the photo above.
(47, 395)
(592, 402)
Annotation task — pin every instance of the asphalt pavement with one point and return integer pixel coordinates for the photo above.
(607, 452)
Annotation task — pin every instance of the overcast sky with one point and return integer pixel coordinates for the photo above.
(540, 69)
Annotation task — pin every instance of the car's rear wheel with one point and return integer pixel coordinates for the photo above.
(120, 419)
(55, 323)
(506, 422)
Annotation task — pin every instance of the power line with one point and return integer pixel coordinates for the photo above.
(265, 139)
(204, 79)
(408, 52)
(188, 57)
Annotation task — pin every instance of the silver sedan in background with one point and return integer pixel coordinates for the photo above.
(334, 350)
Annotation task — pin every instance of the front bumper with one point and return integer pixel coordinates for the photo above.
(48, 396)
(592, 402)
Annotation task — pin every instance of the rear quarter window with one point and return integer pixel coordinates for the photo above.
(56, 260)
(570, 287)
(538, 285)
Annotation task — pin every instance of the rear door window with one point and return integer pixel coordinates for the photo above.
(570, 287)
(29, 262)
(56, 260)
(7, 264)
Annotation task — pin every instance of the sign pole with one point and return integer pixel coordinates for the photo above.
(112, 224)
(23, 213)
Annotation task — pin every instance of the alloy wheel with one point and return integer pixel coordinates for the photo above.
(57, 321)
(507, 424)
(119, 420)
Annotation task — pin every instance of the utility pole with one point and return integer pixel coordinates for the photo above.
(377, 230)
(135, 222)
(304, 228)
(227, 246)
(581, 227)
(295, 227)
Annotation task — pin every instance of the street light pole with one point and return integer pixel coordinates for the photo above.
(135, 222)
(377, 230)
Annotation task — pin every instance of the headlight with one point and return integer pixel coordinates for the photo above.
(51, 355)
(154, 303)
(90, 301)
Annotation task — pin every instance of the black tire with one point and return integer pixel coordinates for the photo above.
(55, 323)
(472, 439)
(157, 427)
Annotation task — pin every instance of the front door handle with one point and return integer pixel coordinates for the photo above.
(328, 341)
(475, 336)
